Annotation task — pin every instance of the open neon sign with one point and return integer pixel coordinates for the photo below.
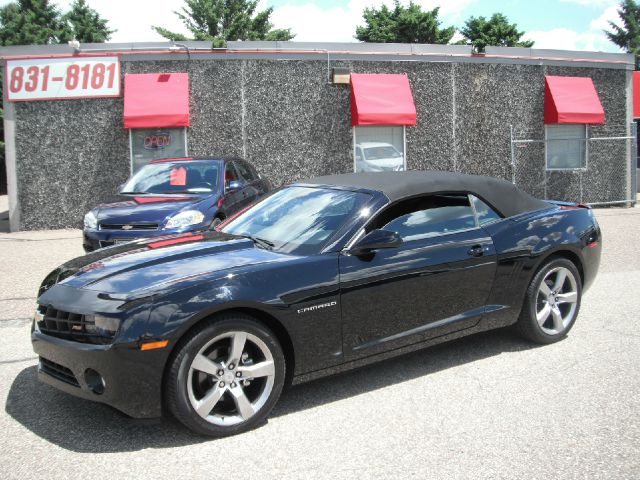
(157, 141)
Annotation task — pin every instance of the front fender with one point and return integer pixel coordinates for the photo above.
(280, 291)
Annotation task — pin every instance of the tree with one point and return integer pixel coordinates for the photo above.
(36, 22)
(403, 25)
(29, 22)
(221, 20)
(84, 24)
(627, 36)
(497, 31)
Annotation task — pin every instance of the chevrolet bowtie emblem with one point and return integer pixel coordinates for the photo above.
(127, 227)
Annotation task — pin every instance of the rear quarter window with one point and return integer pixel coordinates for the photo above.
(485, 213)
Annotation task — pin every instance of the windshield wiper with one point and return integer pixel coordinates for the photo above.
(134, 193)
(261, 242)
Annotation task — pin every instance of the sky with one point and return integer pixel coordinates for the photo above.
(559, 24)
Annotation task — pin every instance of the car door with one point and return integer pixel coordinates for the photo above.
(262, 184)
(249, 192)
(436, 282)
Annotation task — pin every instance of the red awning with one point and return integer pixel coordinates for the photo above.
(381, 99)
(156, 100)
(636, 94)
(571, 100)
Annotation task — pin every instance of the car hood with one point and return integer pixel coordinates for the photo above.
(160, 264)
(126, 209)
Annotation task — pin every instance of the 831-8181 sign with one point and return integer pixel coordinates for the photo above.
(60, 78)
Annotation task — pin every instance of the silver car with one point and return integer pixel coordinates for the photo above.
(378, 157)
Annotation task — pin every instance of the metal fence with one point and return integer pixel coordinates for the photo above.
(606, 176)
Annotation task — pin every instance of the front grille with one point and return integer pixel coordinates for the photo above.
(70, 326)
(58, 371)
(129, 226)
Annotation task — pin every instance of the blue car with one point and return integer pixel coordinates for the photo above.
(174, 195)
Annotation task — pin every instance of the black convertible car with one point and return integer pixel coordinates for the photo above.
(320, 276)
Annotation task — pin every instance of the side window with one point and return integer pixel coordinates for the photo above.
(245, 172)
(230, 174)
(254, 173)
(485, 213)
(427, 216)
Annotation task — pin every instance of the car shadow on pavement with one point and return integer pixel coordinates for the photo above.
(400, 369)
(86, 427)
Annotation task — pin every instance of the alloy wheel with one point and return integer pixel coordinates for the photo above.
(230, 378)
(557, 300)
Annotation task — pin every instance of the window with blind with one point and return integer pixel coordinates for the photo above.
(566, 147)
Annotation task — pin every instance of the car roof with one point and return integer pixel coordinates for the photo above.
(225, 158)
(374, 144)
(502, 195)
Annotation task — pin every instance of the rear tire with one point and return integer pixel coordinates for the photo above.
(225, 377)
(552, 302)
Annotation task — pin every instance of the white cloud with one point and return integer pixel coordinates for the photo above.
(590, 3)
(610, 14)
(133, 18)
(565, 39)
(311, 23)
(593, 39)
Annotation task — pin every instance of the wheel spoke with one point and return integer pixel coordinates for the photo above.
(237, 346)
(570, 297)
(544, 288)
(543, 314)
(204, 364)
(262, 369)
(245, 409)
(558, 324)
(206, 403)
(561, 276)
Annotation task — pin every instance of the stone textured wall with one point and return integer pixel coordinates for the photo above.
(288, 120)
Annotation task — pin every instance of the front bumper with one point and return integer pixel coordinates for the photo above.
(132, 379)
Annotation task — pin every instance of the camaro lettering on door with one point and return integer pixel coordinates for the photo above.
(317, 307)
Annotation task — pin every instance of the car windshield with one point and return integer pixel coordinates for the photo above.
(379, 153)
(199, 176)
(299, 220)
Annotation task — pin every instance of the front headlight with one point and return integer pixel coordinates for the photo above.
(102, 326)
(184, 219)
(90, 221)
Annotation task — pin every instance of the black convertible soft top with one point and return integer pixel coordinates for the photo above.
(504, 196)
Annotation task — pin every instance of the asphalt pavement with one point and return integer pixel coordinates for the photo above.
(487, 406)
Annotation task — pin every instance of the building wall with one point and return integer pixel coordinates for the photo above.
(288, 120)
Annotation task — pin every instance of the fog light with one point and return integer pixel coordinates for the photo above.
(94, 380)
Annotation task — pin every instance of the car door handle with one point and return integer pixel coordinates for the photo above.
(476, 251)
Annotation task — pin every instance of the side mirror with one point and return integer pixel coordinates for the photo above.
(234, 185)
(375, 240)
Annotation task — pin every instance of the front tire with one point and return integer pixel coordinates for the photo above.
(225, 376)
(552, 302)
(216, 221)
